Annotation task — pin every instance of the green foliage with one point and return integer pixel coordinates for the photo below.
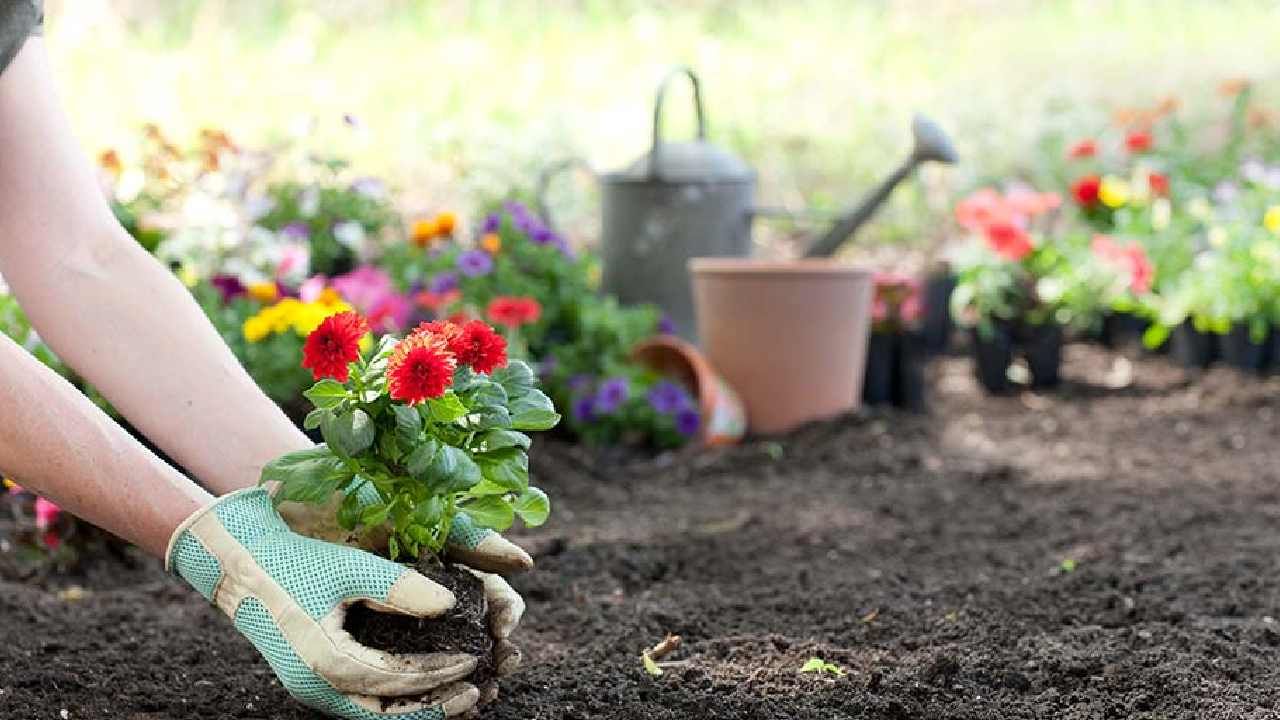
(460, 453)
(820, 666)
(322, 207)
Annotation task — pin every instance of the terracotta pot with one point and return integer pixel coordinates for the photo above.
(723, 418)
(790, 336)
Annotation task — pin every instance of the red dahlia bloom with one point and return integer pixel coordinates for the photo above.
(1086, 189)
(334, 345)
(1159, 184)
(1138, 141)
(514, 311)
(1008, 240)
(479, 347)
(421, 368)
(1084, 149)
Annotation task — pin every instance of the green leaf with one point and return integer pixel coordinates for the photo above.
(388, 447)
(350, 433)
(326, 394)
(302, 465)
(493, 416)
(376, 514)
(418, 462)
(516, 378)
(349, 512)
(508, 468)
(408, 424)
(491, 511)
(498, 439)
(453, 470)
(533, 506)
(818, 665)
(487, 487)
(650, 666)
(420, 534)
(446, 409)
(489, 394)
(393, 547)
(533, 411)
(313, 419)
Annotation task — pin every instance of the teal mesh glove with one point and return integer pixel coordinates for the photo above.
(288, 594)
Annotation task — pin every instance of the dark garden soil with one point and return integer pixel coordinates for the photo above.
(1108, 549)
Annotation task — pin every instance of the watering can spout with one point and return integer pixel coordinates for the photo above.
(930, 144)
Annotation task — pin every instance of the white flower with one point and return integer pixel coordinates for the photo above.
(1161, 213)
(350, 234)
(309, 202)
(130, 186)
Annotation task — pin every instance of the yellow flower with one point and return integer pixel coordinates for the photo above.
(9, 484)
(281, 314)
(491, 243)
(308, 317)
(188, 276)
(366, 342)
(1113, 192)
(1271, 220)
(332, 298)
(256, 328)
(264, 292)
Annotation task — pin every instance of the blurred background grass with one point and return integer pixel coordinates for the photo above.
(461, 99)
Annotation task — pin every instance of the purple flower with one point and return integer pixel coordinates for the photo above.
(547, 366)
(366, 287)
(475, 263)
(492, 222)
(542, 236)
(668, 398)
(579, 383)
(666, 325)
(296, 231)
(688, 422)
(229, 285)
(443, 283)
(370, 187)
(612, 393)
(584, 409)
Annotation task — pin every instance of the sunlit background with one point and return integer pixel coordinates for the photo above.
(458, 100)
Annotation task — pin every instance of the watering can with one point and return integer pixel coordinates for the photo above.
(694, 199)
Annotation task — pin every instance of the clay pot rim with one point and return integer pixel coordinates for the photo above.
(799, 267)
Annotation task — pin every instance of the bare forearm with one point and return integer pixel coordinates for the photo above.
(55, 442)
(109, 309)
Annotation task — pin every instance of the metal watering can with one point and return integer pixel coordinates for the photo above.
(693, 199)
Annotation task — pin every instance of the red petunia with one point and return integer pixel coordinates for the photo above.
(1138, 141)
(420, 368)
(1159, 184)
(1008, 240)
(334, 345)
(514, 311)
(1086, 190)
(1084, 149)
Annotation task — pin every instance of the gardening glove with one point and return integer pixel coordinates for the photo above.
(289, 595)
(484, 552)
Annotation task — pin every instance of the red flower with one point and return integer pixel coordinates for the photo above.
(514, 311)
(1084, 149)
(334, 345)
(1138, 141)
(1086, 189)
(421, 367)
(472, 342)
(1131, 258)
(434, 301)
(1159, 184)
(1008, 240)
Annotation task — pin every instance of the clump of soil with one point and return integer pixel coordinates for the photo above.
(465, 629)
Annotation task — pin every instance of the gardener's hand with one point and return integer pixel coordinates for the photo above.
(485, 552)
(289, 594)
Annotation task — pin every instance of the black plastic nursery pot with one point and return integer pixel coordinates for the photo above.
(1041, 345)
(877, 386)
(992, 355)
(1192, 348)
(1121, 331)
(1240, 351)
(895, 371)
(937, 326)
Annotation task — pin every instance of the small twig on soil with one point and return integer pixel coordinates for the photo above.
(664, 648)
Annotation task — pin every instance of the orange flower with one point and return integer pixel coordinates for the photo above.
(445, 223)
(423, 232)
(110, 161)
(491, 243)
(1234, 86)
(1086, 148)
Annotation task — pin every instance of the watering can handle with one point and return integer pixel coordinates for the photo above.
(546, 175)
(655, 160)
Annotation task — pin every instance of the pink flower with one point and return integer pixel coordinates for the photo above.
(46, 513)
(1131, 258)
(371, 291)
(294, 258)
(311, 288)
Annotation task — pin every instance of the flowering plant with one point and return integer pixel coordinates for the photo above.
(1011, 271)
(432, 423)
(523, 277)
(897, 304)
